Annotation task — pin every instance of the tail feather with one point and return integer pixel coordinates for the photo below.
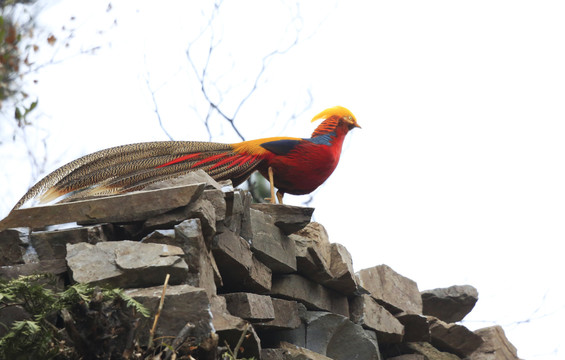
(131, 167)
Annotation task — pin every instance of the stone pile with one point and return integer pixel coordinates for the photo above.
(239, 267)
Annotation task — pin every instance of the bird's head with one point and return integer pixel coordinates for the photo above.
(334, 118)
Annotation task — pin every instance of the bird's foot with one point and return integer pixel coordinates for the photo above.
(272, 182)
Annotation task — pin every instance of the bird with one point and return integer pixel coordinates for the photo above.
(293, 165)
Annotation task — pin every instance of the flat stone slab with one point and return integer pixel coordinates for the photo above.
(450, 304)
(51, 245)
(288, 218)
(286, 316)
(57, 267)
(453, 338)
(249, 306)
(366, 312)
(126, 264)
(395, 292)
(314, 296)
(118, 208)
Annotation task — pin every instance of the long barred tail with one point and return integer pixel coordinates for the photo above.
(131, 167)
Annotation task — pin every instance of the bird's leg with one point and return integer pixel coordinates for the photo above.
(280, 196)
(272, 182)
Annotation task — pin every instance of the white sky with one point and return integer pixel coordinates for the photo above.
(457, 176)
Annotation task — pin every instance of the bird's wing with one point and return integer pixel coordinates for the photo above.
(281, 147)
(131, 167)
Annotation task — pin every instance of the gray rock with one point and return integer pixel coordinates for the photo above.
(13, 245)
(453, 338)
(183, 304)
(237, 265)
(429, 352)
(202, 269)
(286, 316)
(51, 245)
(450, 304)
(249, 306)
(198, 209)
(392, 290)
(495, 345)
(230, 329)
(314, 296)
(270, 246)
(365, 311)
(218, 201)
(313, 253)
(133, 206)
(221, 317)
(288, 218)
(11, 314)
(416, 327)
(337, 337)
(408, 357)
(289, 351)
(126, 264)
(341, 269)
(56, 267)
(190, 178)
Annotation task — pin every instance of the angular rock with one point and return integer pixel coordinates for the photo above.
(117, 208)
(314, 296)
(56, 267)
(198, 209)
(237, 211)
(392, 290)
(126, 264)
(190, 178)
(218, 201)
(202, 269)
(453, 338)
(51, 245)
(286, 316)
(289, 351)
(270, 246)
(313, 253)
(230, 329)
(183, 303)
(237, 265)
(450, 304)
(337, 337)
(249, 306)
(13, 245)
(221, 318)
(495, 345)
(429, 352)
(11, 314)
(341, 269)
(365, 311)
(416, 327)
(288, 218)
(408, 357)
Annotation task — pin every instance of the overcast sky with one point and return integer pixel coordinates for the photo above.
(456, 177)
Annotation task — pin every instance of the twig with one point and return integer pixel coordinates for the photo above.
(152, 331)
(236, 349)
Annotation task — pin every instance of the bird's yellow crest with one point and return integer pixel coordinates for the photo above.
(341, 113)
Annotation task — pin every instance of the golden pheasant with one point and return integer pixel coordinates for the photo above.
(293, 165)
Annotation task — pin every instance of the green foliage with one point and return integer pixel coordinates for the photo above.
(38, 337)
